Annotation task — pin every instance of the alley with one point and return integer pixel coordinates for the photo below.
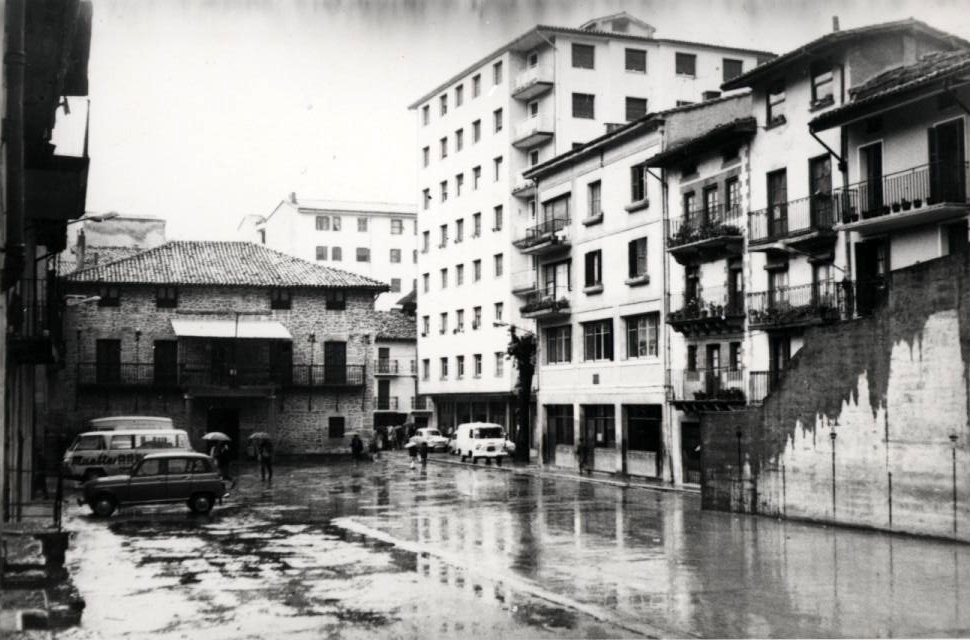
(348, 551)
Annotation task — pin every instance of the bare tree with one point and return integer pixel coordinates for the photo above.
(523, 351)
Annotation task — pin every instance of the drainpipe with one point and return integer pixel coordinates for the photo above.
(15, 60)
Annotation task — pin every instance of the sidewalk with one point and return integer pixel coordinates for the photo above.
(540, 471)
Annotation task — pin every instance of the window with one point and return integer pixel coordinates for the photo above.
(559, 344)
(444, 190)
(476, 317)
(459, 95)
(477, 358)
(731, 69)
(443, 363)
(497, 118)
(497, 163)
(692, 357)
(822, 83)
(497, 211)
(498, 264)
(444, 236)
(476, 131)
(641, 335)
(363, 254)
(459, 230)
(426, 197)
(532, 60)
(476, 177)
(444, 147)
(594, 269)
(533, 157)
(107, 358)
(426, 156)
(477, 270)
(712, 201)
(425, 241)
(425, 369)
(637, 254)
(594, 193)
(686, 64)
(636, 60)
(600, 421)
(425, 325)
(321, 253)
(426, 282)
(395, 255)
(459, 274)
(362, 225)
(732, 196)
(459, 183)
(638, 183)
(336, 223)
(414, 256)
(444, 278)
(459, 140)
(499, 307)
(635, 108)
(443, 100)
(598, 340)
(336, 254)
(690, 204)
(499, 364)
(583, 56)
(397, 226)
(279, 299)
(459, 367)
(166, 297)
(425, 115)
(323, 223)
(734, 362)
(476, 225)
(559, 417)
(460, 320)
(644, 427)
(583, 106)
(336, 299)
(443, 325)
(776, 103)
(497, 73)
(476, 85)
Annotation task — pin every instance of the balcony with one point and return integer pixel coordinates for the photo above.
(716, 311)
(34, 323)
(549, 302)
(388, 367)
(127, 375)
(806, 223)
(421, 404)
(920, 195)
(523, 187)
(802, 305)
(547, 237)
(760, 384)
(328, 376)
(532, 82)
(524, 282)
(720, 389)
(532, 132)
(385, 403)
(706, 235)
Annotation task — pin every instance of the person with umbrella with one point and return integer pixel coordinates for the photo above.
(264, 453)
(220, 451)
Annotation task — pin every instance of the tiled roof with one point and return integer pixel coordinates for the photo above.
(94, 256)
(829, 40)
(932, 68)
(395, 325)
(727, 133)
(221, 263)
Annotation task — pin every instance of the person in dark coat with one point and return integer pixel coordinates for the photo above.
(264, 451)
(423, 452)
(373, 449)
(224, 459)
(356, 447)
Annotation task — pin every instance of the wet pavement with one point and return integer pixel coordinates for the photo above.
(379, 550)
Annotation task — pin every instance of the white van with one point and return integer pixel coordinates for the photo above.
(476, 440)
(115, 423)
(107, 453)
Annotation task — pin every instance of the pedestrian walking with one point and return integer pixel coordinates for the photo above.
(224, 459)
(412, 448)
(356, 448)
(264, 451)
(583, 455)
(423, 452)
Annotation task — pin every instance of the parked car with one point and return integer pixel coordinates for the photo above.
(436, 441)
(486, 440)
(177, 476)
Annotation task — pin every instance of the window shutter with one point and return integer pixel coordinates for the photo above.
(590, 270)
(632, 255)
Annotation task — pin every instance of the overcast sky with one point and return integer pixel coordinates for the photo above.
(203, 111)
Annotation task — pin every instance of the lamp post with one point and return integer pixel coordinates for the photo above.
(523, 350)
(137, 362)
(312, 339)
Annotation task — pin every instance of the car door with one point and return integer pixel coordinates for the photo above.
(178, 483)
(147, 482)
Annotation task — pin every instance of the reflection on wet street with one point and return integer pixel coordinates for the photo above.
(379, 550)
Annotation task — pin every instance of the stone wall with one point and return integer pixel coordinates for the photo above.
(869, 425)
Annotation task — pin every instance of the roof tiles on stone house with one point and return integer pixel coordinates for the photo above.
(394, 325)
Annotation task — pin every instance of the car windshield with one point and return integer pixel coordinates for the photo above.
(88, 443)
(488, 432)
(432, 432)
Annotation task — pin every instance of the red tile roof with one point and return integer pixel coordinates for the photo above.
(395, 325)
(221, 263)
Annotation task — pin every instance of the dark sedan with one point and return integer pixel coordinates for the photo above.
(159, 478)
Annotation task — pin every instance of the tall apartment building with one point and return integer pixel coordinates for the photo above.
(536, 97)
(372, 239)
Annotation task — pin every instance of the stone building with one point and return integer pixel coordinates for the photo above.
(226, 336)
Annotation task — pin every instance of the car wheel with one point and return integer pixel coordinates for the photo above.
(103, 505)
(201, 503)
(91, 474)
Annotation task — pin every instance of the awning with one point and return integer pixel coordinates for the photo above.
(259, 329)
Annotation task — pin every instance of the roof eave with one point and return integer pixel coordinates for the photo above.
(735, 132)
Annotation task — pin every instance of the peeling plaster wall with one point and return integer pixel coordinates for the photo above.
(892, 389)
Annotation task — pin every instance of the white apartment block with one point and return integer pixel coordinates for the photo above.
(536, 97)
(373, 239)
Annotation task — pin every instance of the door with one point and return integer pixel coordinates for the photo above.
(712, 382)
(384, 360)
(947, 162)
(178, 480)
(147, 484)
(335, 362)
(956, 238)
(384, 394)
(778, 203)
(872, 266)
(165, 355)
(735, 297)
(820, 188)
(281, 362)
(690, 444)
(779, 353)
(108, 361)
(692, 277)
(870, 191)
(226, 420)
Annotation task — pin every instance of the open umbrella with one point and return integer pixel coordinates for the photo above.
(216, 436)
(260, 435)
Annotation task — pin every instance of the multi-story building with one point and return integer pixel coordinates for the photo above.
(534, 98)
(373, 239)
(396, 371)
(225, 336)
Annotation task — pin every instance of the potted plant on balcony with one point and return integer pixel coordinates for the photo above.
(917, 202)
(907, 204)
(896, 207)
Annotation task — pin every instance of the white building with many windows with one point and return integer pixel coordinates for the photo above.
(372, 239)
(538, 96)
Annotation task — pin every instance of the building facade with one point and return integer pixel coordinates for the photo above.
(224, 336)
(373, 239)
(533, 99)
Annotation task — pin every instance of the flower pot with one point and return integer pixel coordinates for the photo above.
(918, 202)
(907, 205)
(896, 207)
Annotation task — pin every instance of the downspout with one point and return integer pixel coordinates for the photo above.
(15, 60)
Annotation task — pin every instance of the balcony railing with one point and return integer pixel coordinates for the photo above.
(713, 310)
(386, 367)
(33, 322)
(798, 305)
(536, 130)
(710, 388)
(551, 231)
(386, 403)
(795, 217)
(532, 82)
(524, 281)
(903, 191)
(549, 300)
(761, 383)
(319, 375)
(152, 375)
(704, 225)
(127, 374)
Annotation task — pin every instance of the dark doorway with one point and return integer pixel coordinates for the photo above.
(165, 354)
(690, 445)
(872, 268)
(779, 353)
(281, 361)
(108, 361)
(335, 362)
(947, 157)
(870, 192)
(225, 420)
(221, 361)
(712, 382)
(820, 188)
(778, 203)
(384, 395)
(956, 238)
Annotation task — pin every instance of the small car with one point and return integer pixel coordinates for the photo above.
(436, 441)
(159, 478)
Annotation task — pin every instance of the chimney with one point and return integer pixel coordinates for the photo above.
(79, 250)
(293, 197)
(835, 23)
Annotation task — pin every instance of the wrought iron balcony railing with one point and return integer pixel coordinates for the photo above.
(792, 218)
(822, 301)
(386, 403)
(157, 375)
(706, 224)
(545, 231)
(722, 385)
(386, 367)
(903, 191)
(549, 299)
